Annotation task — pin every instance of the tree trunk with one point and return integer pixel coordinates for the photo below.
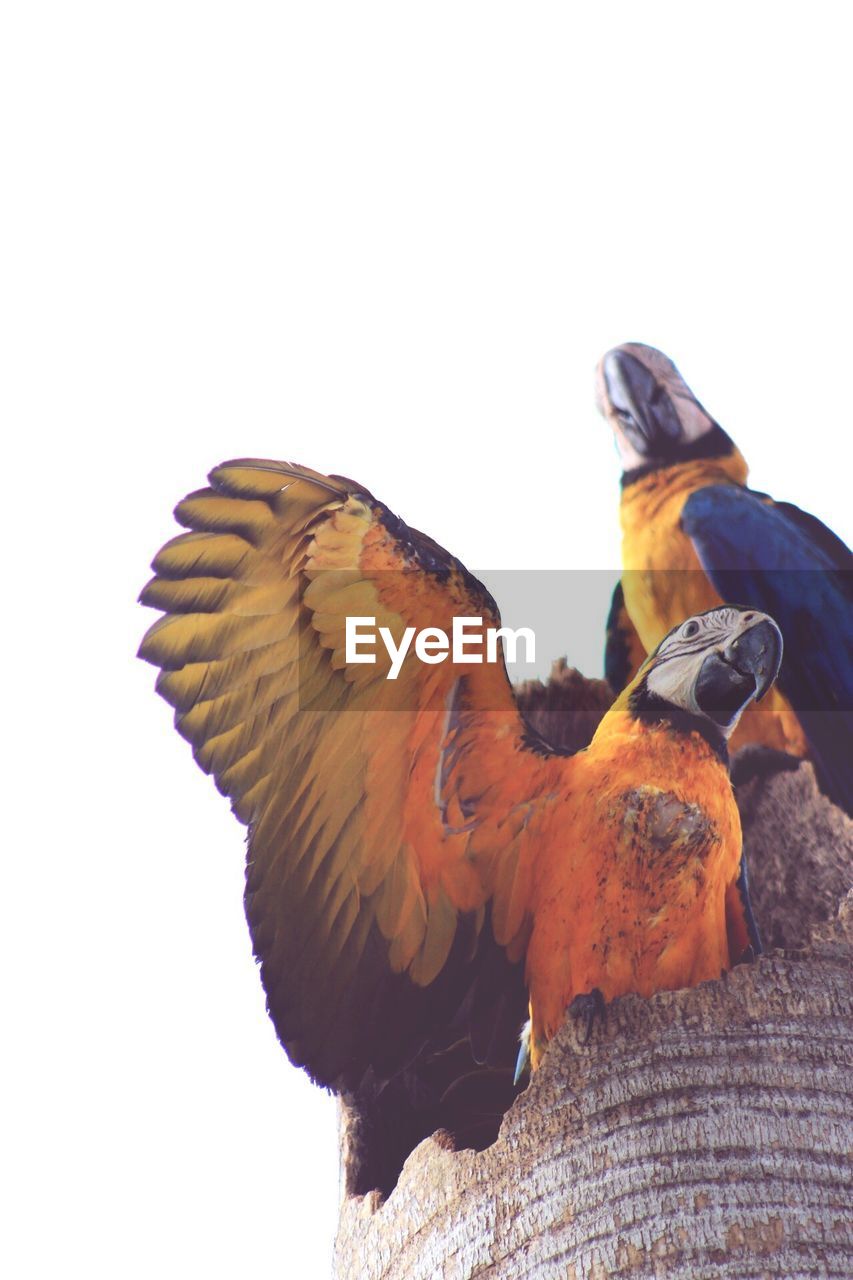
(700, 1133)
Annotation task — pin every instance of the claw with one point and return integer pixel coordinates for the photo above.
(588, 1006)
(522, 1062)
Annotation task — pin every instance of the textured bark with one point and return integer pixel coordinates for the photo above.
(799, 852)
(700, 1133)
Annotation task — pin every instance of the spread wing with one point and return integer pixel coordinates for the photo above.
(386, 845)
(790, 565)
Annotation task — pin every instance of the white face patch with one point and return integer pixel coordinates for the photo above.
(629, 457)
(677, 663)
(674, 681)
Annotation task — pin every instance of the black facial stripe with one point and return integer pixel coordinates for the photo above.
(696, 644)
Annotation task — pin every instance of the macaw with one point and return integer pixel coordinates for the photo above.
(694, 535)
(421, 862)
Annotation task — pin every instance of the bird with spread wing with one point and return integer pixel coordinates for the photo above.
(694, 536)
(421, 863)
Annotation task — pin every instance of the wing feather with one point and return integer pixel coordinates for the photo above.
(757, 553)
(383, 815)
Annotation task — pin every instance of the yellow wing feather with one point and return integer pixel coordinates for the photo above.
(358, 791)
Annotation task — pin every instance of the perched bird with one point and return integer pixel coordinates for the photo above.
(694, 536)
(422, 864)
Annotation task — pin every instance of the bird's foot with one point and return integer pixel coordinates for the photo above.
(586, 1008)
(757, 761)
(522, 1062)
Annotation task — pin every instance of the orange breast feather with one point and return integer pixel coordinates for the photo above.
(631, 894)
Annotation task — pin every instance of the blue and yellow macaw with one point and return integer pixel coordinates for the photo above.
(423, 867)
(694, 535)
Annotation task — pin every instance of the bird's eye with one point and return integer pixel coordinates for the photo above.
(690, 629)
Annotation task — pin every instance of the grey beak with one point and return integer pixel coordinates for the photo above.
(757, 652)
(640, 402)
(742, 672)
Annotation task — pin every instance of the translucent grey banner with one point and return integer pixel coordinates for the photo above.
(555, 615)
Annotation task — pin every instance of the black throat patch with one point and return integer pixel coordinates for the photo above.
(713, 444)
(652, 709)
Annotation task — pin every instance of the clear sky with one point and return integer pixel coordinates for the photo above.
(388, 240)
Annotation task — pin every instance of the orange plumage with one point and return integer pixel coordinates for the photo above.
(629, 891)
(412, 842)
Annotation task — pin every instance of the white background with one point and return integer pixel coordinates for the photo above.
(389, 240)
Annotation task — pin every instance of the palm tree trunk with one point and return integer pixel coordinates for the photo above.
(701, 1133)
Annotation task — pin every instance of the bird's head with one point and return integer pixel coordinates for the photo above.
(656, 419)
(707, 670)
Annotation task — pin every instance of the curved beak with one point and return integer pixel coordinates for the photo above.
(757, 651)
(522, 1062)
(741, 669)
(638, 401)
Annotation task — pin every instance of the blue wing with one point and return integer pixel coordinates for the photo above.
(788, 564)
